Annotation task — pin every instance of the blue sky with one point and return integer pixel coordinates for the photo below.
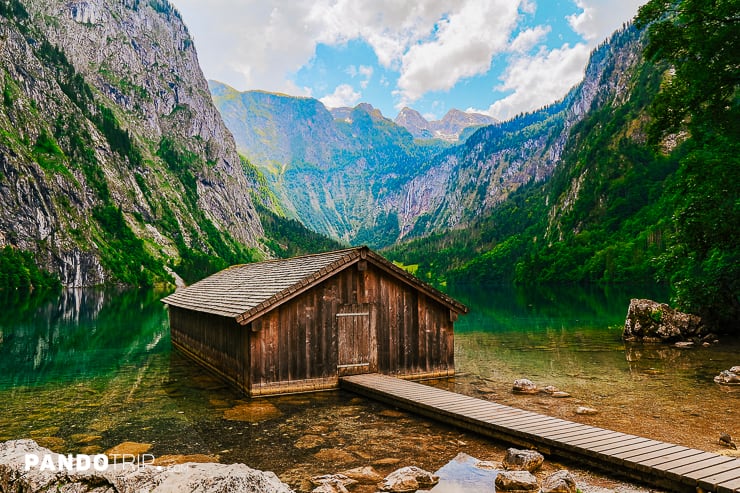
(499, 57)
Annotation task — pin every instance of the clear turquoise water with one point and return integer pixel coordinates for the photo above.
(94, 368)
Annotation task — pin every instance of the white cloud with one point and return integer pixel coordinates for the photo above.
(542, 79)
(539, 80)
(251, 44)
(527, 39)
(600, 18)
(464, 46)
(529, 7)
(432, 44)
(364, 71)
(343, 95)
(388, 26)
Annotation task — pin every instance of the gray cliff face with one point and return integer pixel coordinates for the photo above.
(493, 163)
(608, 80)
(60, 161)
(143, 59)
(37, 206)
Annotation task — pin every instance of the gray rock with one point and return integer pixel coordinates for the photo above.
(363, 475)
(331, 486)
(650, 321)
(559, 482)
(515, 481)
(522, 460)
(524, 386)
(728, 377)
(586, 411)
(408, 479)
(333, 479)
(201, 477)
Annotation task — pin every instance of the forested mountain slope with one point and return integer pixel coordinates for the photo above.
(330, 171)
(648, 185)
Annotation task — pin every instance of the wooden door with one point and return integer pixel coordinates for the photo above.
(356, 348)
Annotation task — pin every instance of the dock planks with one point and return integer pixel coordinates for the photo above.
(657, 463)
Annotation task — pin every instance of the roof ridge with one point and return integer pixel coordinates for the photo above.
(299, 257)
(304, 281)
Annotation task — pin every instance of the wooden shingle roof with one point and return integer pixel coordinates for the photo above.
(244, 292)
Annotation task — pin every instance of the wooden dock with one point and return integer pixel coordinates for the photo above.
(660, 464)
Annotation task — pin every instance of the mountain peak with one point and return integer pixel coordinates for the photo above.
(449, 128)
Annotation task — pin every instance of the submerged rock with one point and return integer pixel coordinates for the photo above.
(559, 482)
(309, 441)
(171, 460)
(363, 475)
(516, 481)
(334, 455)
(127, 449)
(523, 460)
(524, 386)
(204, 478)
(252, 412)
(729, 377)
(650, 321)
(408, 479)
(586, 411)
(332, 483)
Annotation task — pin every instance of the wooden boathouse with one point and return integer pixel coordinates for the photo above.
(299, 324)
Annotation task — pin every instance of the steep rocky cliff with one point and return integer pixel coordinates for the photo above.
(114, 163)
(466, 182)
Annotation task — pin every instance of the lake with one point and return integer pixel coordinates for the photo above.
(94, 368)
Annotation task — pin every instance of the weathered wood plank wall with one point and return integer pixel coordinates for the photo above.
(298, 342)
(217, 342)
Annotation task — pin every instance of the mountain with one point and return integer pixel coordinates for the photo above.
(361, 178)
(115, 166)
(449, 128)
(638, 195)
(331, 170)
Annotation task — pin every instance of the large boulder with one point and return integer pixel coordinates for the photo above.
(408, 479)
(522, 460)
(559, 482)
(46, 475)
(650, 321)
(516, 481)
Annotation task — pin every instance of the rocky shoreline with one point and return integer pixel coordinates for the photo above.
(519, 470)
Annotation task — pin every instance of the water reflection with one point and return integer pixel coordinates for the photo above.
(79, 335)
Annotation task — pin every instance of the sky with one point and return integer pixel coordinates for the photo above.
(497, 57)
